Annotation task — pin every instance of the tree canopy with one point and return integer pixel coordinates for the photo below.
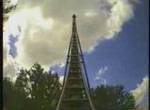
(113, 98)
(40, 90)
(33, 89)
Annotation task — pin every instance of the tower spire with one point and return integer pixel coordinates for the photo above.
(75, 93)
(74, 27)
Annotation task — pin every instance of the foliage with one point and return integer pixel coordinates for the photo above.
(113, 98)
(35, 89)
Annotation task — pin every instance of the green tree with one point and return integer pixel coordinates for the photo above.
(8, 94)
(33, 89)
(45, 88)
(113, 98)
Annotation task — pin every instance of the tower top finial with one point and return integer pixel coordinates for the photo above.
(74, 16)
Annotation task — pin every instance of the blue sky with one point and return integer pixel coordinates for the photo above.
(126, 56)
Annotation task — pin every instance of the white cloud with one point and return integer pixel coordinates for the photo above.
(10, 66)
(46, 26)
(10, 69)
(99, 74)
(120, 13)
(13, 2)
(62, 65)
(61, 79)
(141, 93)
(102, 70)
(90, 14)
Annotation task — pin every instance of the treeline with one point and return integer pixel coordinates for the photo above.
(35, 89)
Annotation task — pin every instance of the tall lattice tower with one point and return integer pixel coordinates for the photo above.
(76, 90)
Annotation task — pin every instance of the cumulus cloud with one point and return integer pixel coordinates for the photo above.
(46, 26)
(141, 94)
(99, 74)
(10, 69)
(10, 66)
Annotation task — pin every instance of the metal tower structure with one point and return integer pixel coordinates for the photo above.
(76, 89)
